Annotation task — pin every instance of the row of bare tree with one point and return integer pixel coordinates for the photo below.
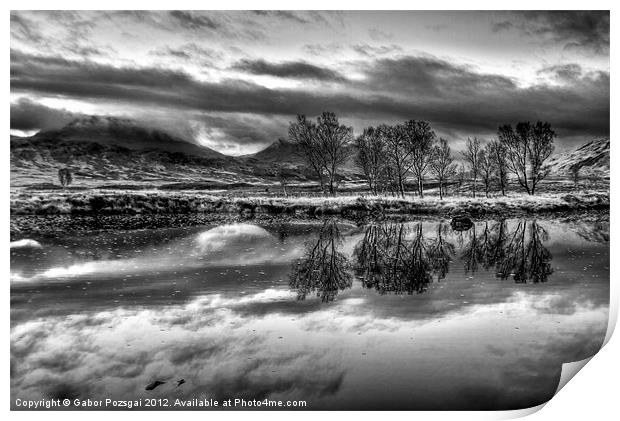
(390, 155)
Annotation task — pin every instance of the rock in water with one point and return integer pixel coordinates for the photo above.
(461, 223)
(153, 385)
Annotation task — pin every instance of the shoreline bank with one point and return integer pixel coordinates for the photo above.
(153, 202)
(44, 212)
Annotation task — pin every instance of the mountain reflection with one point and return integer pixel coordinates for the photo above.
(400, 258)
(322, 268)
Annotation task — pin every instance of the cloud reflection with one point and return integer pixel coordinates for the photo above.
(494, 343)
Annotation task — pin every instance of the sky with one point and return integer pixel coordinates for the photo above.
(233, 80)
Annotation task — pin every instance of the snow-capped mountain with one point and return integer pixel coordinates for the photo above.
(592, 158)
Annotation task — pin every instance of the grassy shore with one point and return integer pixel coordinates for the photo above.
(124, 202)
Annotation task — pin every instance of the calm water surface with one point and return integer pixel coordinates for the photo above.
(381, 316)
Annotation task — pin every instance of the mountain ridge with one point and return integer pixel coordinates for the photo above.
(592, 158)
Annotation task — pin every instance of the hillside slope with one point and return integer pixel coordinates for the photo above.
(284, 152)
(592, 158)
(103, 151)
(280, 151)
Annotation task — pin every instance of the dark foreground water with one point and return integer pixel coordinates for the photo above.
(379, 316)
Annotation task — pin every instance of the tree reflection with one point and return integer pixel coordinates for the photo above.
(322, 268)
(527, 259)
(441, 252)
(519, 253)
(395, 258)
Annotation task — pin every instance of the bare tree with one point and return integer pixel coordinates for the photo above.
(497, 153)
(398, 155)
(472, 156)
(334, 139)
(282, 177)
(487, 167)
(441, 164)
(65, 177)
(540, 149)
(419, 138)
(459, 176)
(303, 134)
(370, 157)
(528, 146)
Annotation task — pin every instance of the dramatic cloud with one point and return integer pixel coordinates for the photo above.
(235, 79)
(370, 50)
(27, 115)
(282, 14)
(452, 97)
(582, 30)
(288, 69)
(194, 21)
(189, 53)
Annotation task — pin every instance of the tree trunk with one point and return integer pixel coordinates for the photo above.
(440, 194)
(421, 187)
(475, 180)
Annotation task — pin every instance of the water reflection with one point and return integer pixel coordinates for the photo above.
(519, 253)
(323, 312)
(526, 258)
(322, 268)
(395, 258)
(402, 258)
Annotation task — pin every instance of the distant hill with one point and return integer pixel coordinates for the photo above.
(113, 151)
(104, 150)
(592, 158)
(280, 151)
(285, 152)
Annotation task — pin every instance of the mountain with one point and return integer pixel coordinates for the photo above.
(280, 151)
(125, 133)
(592, 158)
(284, 152)
(111, 151)
(102, 149)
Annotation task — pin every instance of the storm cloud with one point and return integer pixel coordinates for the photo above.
(582, 30)
(456, 98)
(288, 69)
(204, 70)
(28, 115)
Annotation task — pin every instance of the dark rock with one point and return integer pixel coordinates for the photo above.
(461, 223)
(153, 385)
